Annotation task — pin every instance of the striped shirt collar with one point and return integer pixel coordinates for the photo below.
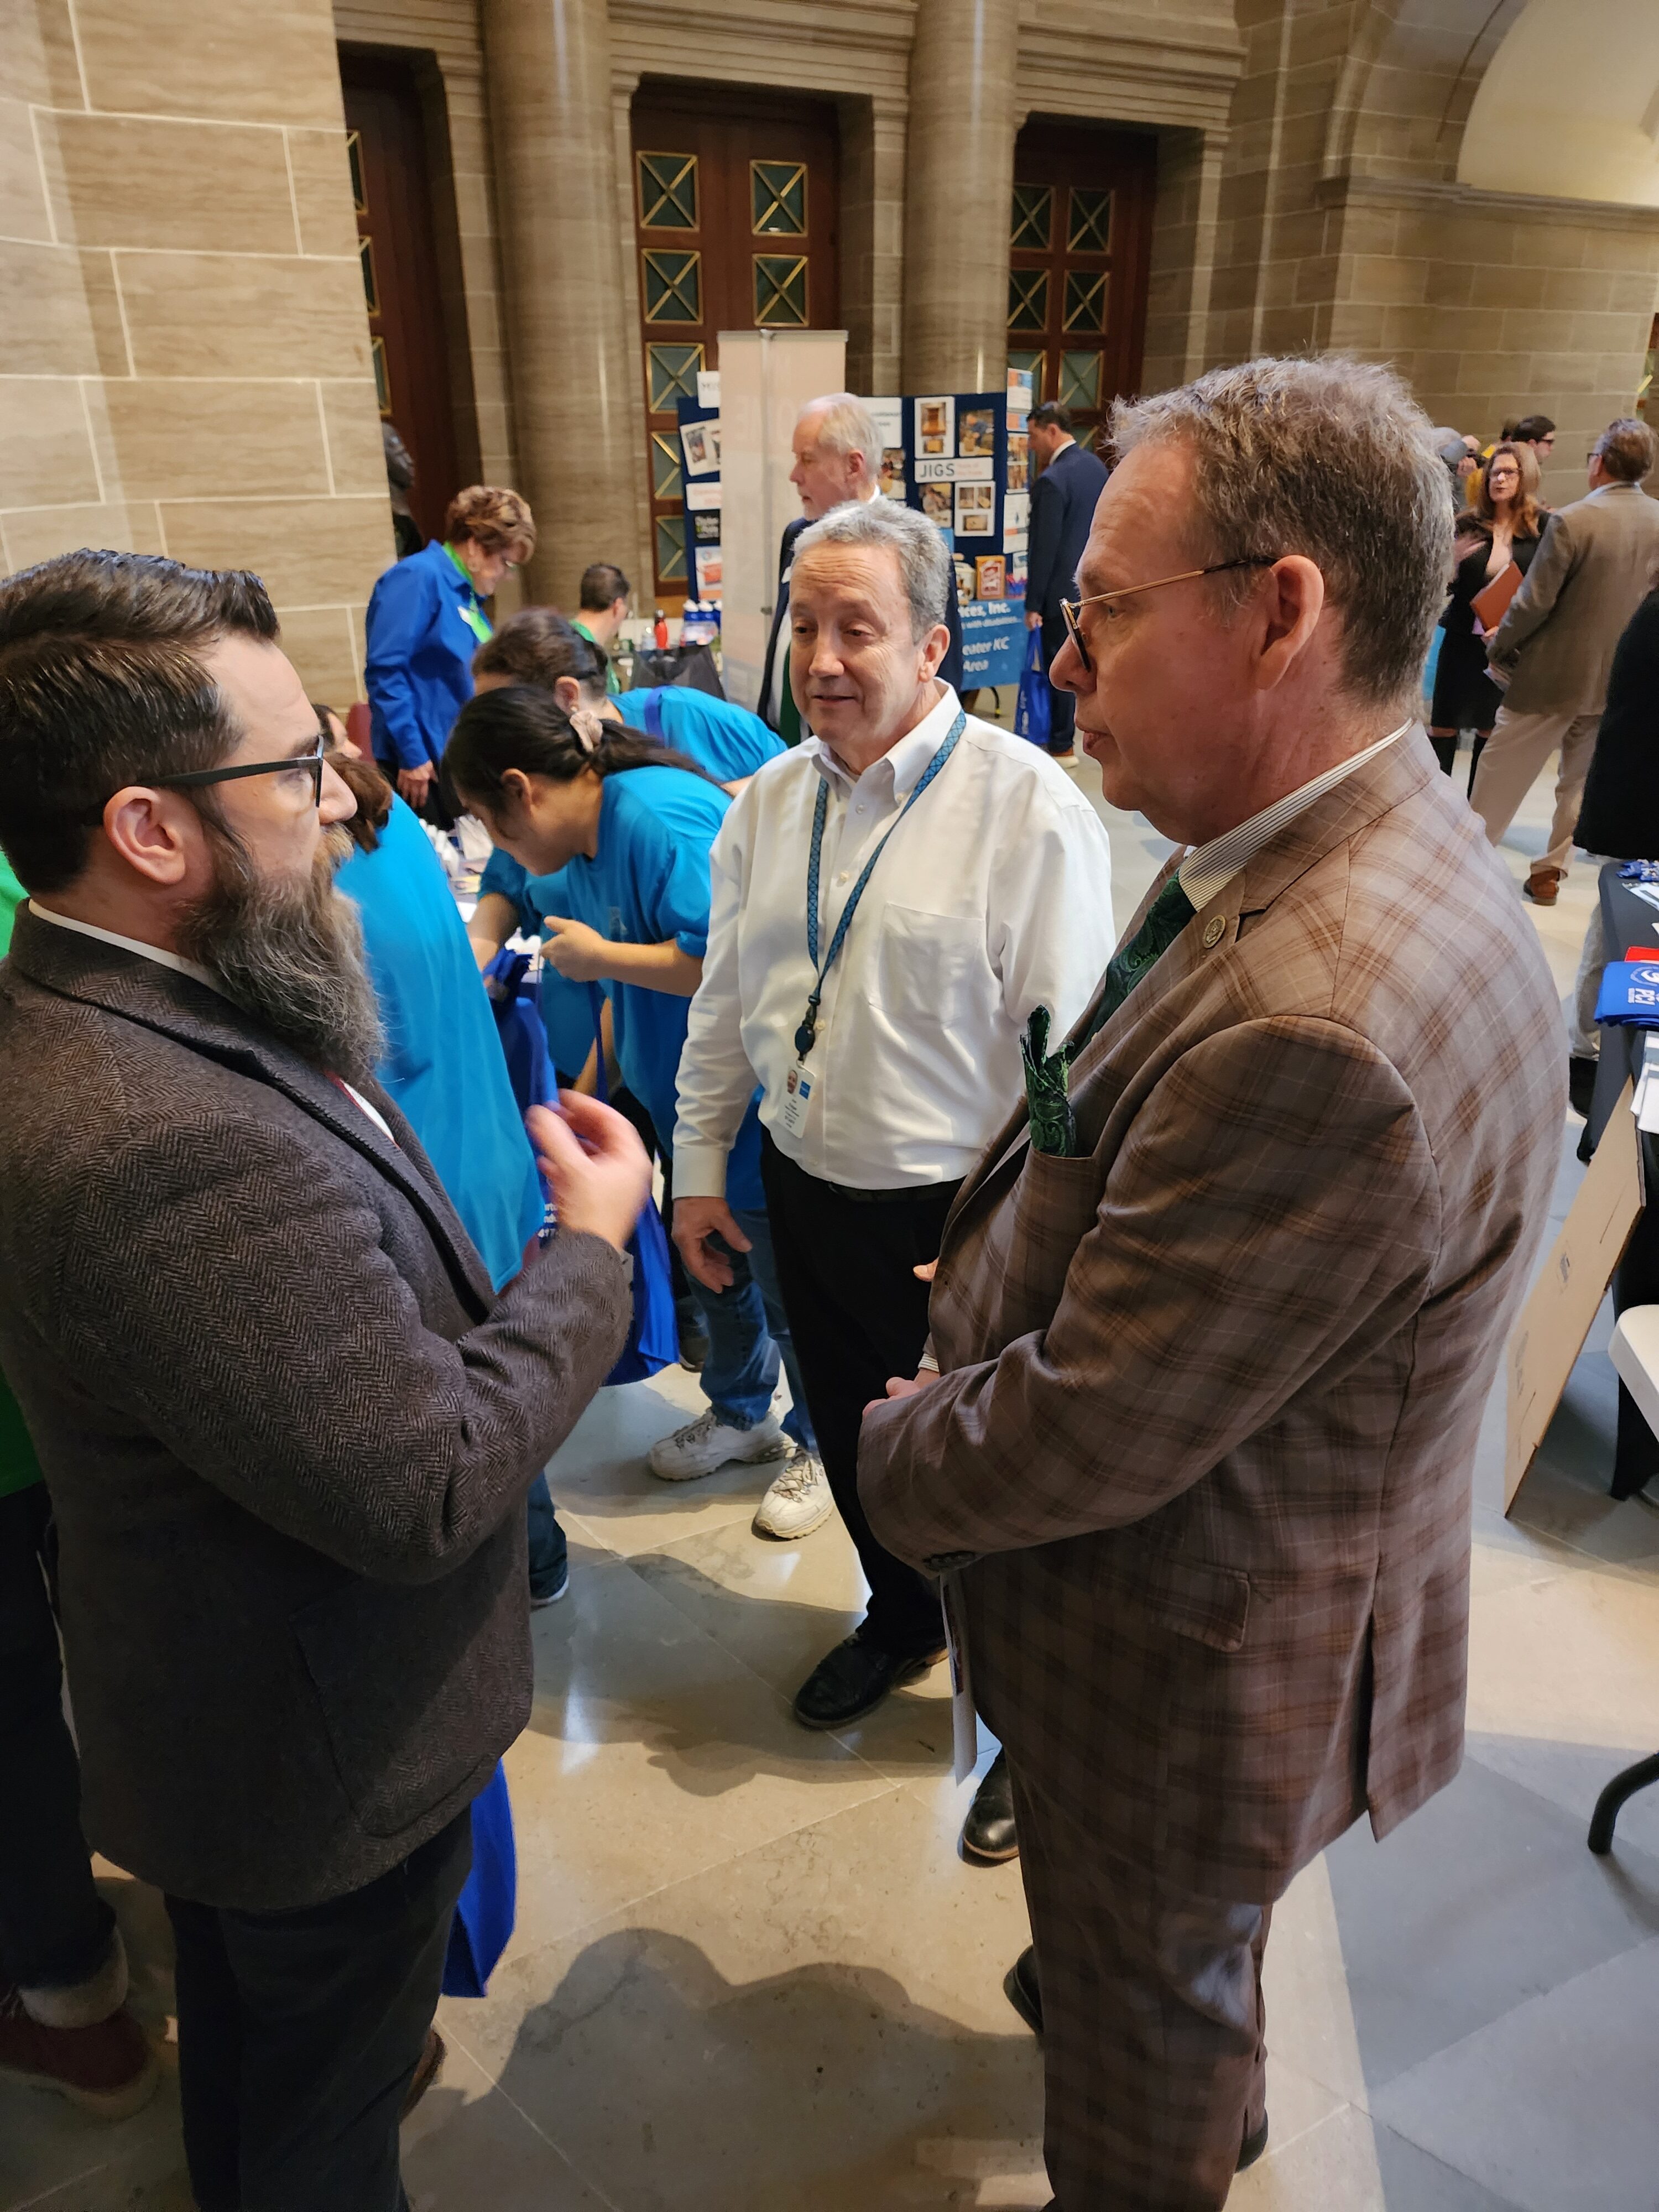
(1208, 869)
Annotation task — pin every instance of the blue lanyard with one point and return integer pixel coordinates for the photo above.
(809, 1027)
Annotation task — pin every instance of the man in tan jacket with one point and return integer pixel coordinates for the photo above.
(1214, 1331)
(1554, 648)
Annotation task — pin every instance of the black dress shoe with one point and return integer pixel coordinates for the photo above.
(1020, 1987)
(853, 1680)
(988, 1834)
(1253, 2146)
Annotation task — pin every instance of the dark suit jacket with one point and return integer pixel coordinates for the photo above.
(286, 1428)
(1062, 507)
(1211, 1390)
(1620, 813)
(950, 668)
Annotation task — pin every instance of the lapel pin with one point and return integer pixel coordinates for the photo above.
(1214, 929)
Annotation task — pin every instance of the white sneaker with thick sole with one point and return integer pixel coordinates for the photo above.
(708, 1443)
(799, 1500)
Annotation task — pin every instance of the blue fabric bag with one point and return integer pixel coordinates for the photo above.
(524, 1037)
(1033, 706)
(484, 1910)
(653, 1337)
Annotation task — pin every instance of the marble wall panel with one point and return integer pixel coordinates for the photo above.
(46, 453)
(136, 180)
(60, 314)
(309, 552)
(226, 314)
(232, 61)
(192, 439)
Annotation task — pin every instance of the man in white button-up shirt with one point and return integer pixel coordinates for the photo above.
(991, 897)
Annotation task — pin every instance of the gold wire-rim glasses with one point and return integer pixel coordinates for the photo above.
(1071, 609)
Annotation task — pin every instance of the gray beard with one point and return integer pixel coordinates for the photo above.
(290, 955)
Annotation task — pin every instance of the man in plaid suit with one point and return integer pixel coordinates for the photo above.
(1217, 1315)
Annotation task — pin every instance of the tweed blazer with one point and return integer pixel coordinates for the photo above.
(1211, 1390)
(285, 1427)
(1597, 559)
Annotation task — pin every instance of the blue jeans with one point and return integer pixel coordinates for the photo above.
(749, 1337)
(547, 1541)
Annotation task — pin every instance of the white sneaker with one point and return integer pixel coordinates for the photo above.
(708, 1443)
(799, 1500)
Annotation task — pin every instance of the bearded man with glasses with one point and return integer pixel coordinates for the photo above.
(286, 1426)
(1216, 1313)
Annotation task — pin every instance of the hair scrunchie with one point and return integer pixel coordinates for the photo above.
(589, 728)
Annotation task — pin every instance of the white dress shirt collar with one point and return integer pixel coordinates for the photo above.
(159, 953)
(1208, 869)
(906, 762)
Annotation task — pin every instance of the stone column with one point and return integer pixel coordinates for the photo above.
(549, 63)
(958, 185)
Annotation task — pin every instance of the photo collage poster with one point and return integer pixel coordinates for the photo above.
(700, 478)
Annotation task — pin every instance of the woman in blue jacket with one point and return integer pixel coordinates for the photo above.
(426, 620)
(443, 1061)
(627, 826)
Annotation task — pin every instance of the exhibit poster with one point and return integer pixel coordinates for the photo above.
(935, 430)
(700, 487)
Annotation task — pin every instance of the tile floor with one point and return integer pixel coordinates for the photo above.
(752, 1975)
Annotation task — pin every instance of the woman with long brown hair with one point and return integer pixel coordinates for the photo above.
(1504, 523)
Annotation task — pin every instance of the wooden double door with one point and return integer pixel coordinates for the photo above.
(735, 212)
(1079, 244)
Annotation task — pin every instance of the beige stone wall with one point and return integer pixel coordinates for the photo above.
(1341, 225)
(184, 352)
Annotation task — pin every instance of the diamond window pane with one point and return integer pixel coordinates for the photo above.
(1028, 299)
(666, 482)
(382, 374)
(1037, 362)
(355, 157)
(1033, 218)
(1080, 380)
(779, 289)
(673, 286)
(777, 196)
(1085, 299)
(671, 548)
(671, 375)
(371, 289)
(668, 190)
(1090, 229)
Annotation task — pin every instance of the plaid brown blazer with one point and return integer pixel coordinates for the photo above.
(1210, 1391)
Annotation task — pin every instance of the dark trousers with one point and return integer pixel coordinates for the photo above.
(299, 2034)
(55, 1930)
(846, 1268)
(1153, 2046)
(1062, 705)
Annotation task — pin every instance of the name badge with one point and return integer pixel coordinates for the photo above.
(796, 1097)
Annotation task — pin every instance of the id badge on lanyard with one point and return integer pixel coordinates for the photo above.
(796, 1097)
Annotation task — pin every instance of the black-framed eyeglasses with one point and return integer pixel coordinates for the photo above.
(309, 764)
(1071, 609)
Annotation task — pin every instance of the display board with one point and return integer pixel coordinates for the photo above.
(963, 459)
(700, 477)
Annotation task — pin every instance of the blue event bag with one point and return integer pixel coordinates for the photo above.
(1032, 707)
(654, 1335)
(485, 1908)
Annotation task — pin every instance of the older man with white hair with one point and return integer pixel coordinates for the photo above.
(893, 901)
(837, 448)
(1217, 1313)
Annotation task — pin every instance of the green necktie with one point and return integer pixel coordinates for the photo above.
(789, 727)
(1049, 1108)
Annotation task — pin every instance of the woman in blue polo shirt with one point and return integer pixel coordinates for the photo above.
(626, 826)
(425, 622)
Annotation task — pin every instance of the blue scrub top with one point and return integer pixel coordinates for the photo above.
(444, 1064)
(648, 882)
(729, 741)
(418, 662)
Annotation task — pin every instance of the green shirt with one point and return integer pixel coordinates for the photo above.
(19, 1467)
(612, 681)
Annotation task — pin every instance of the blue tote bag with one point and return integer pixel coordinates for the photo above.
(653, 1337)
(1033, 707)
(484, 1910)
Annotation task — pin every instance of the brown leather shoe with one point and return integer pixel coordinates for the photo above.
(1543, 885)
(428, 2066)
(110, 2069)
